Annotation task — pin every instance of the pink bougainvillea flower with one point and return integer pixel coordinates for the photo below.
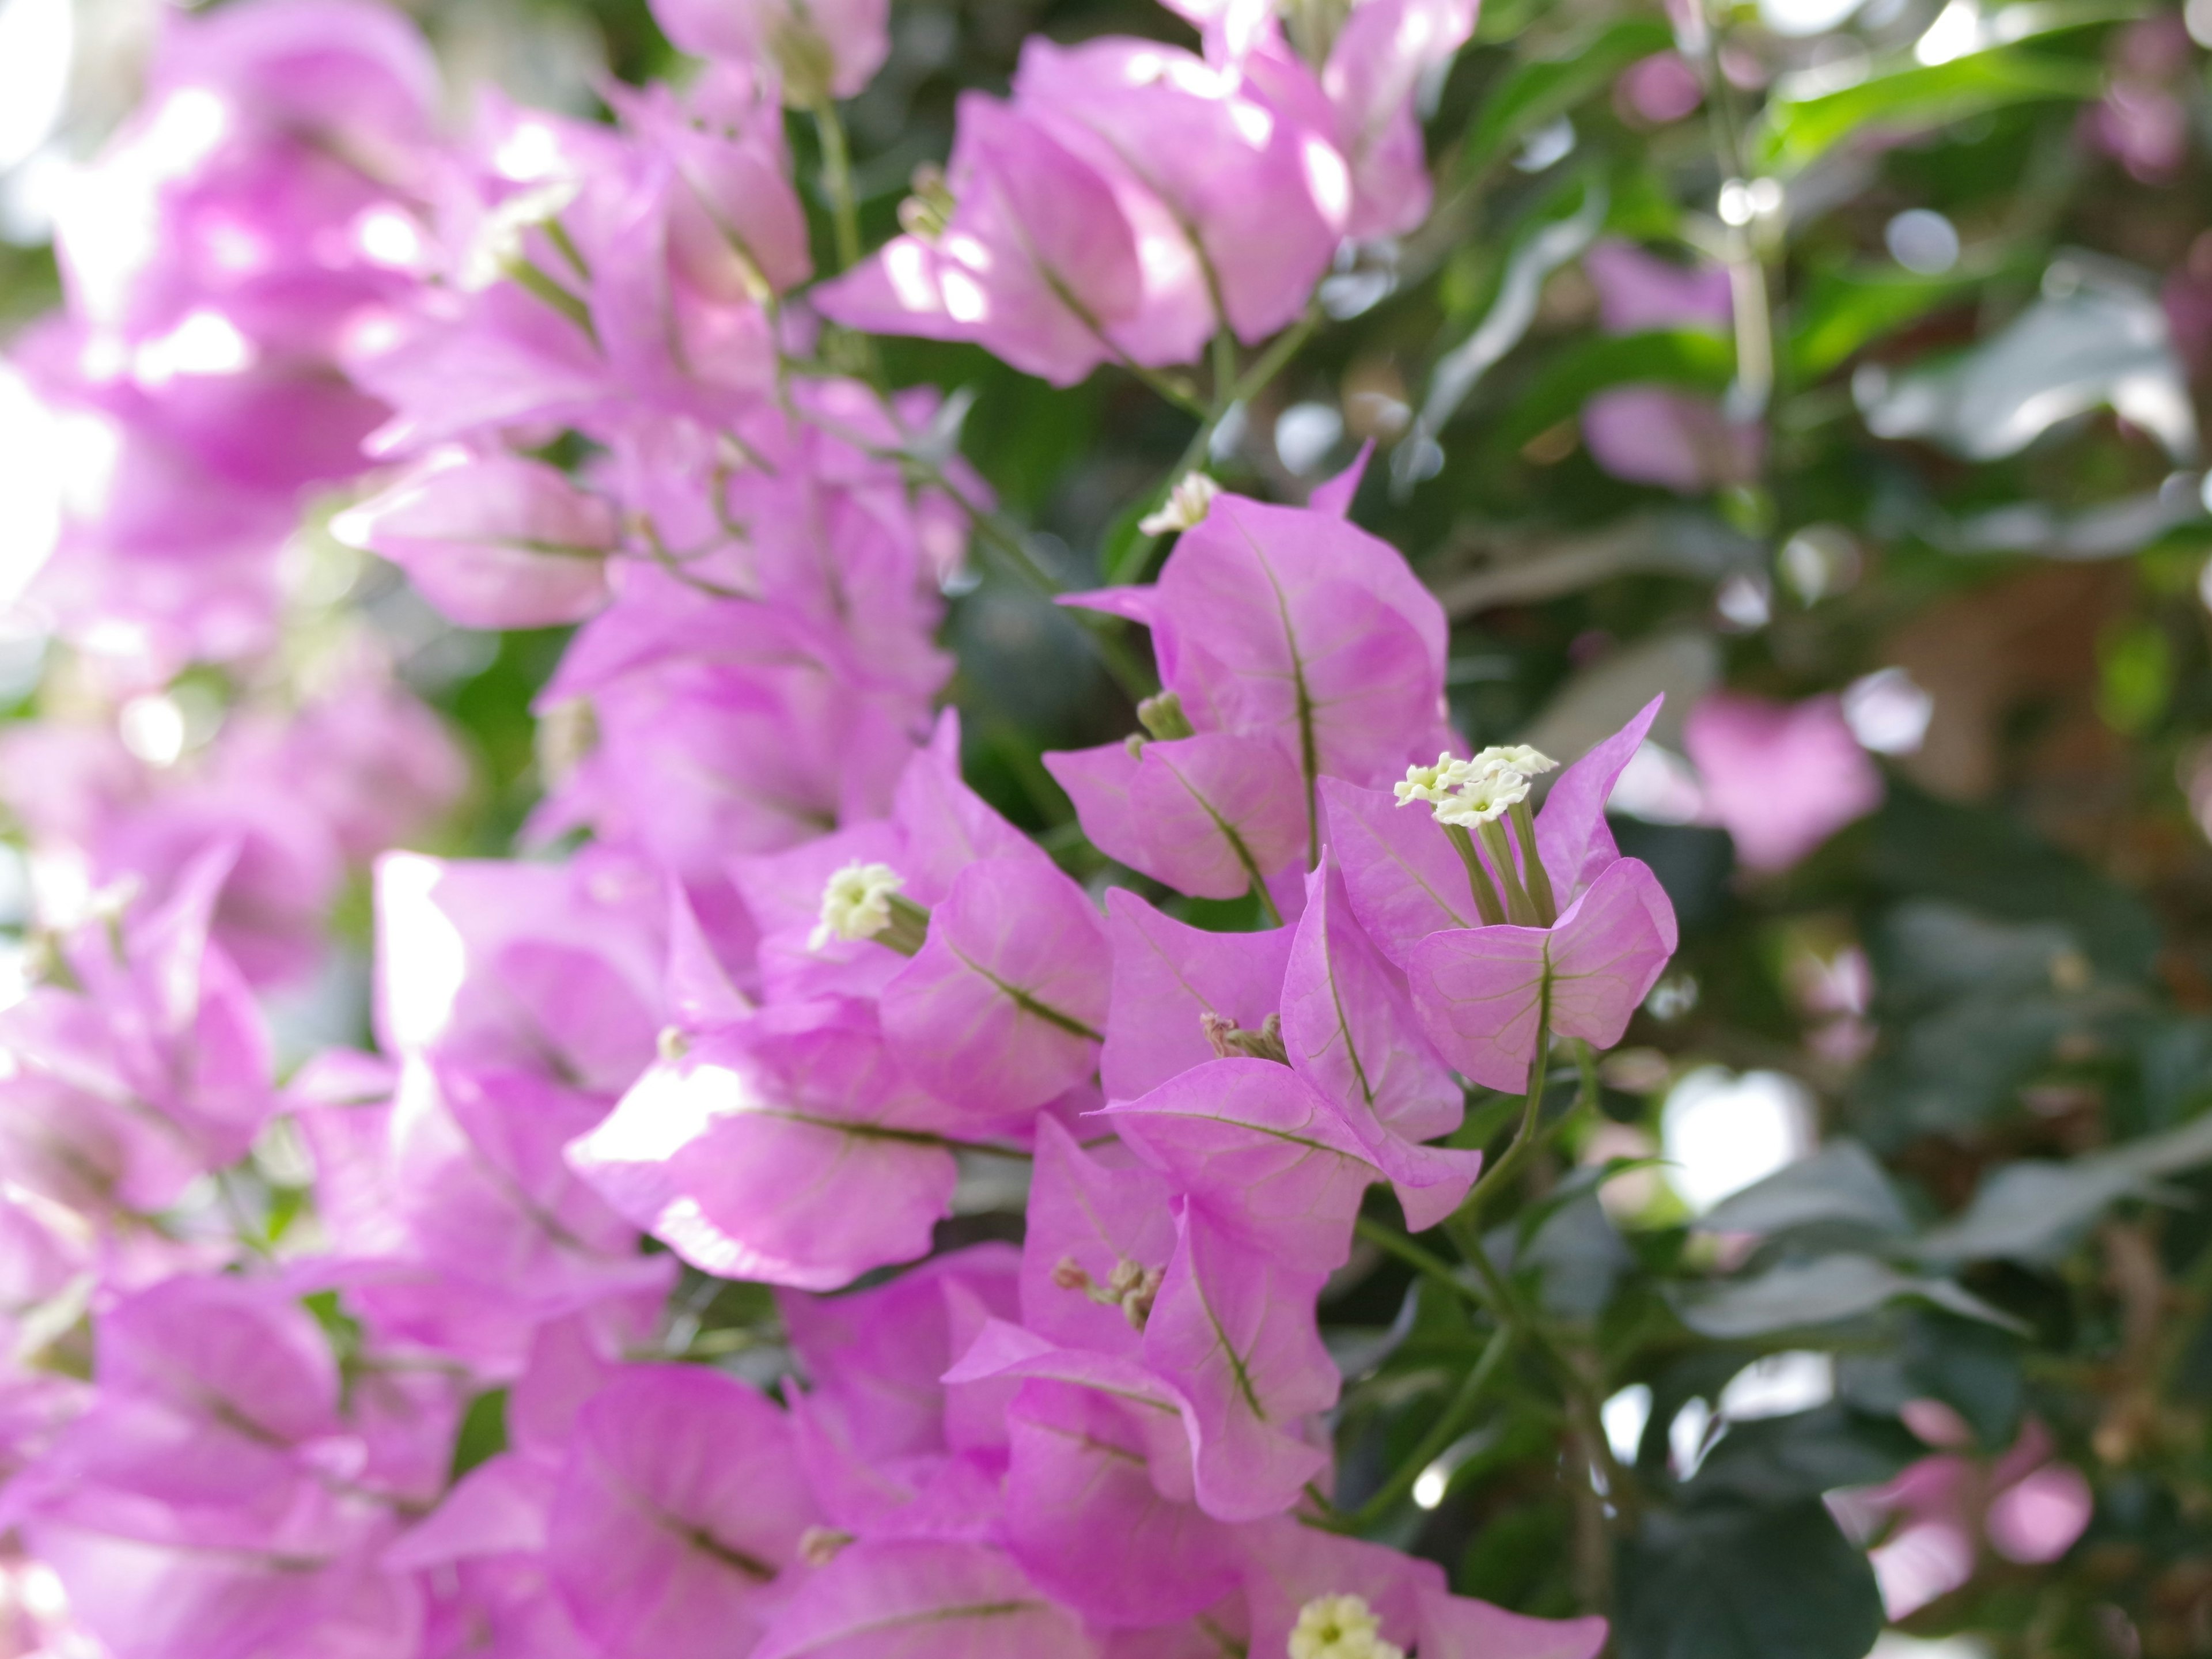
(874, 1357)
(1293, 623)
(1086, 1522)
(156, 1070)
(492, 541)
(1358, 92)
(1931, 1521)
(481, 1191)
(209, 1500)
(723, 729)
(1171, 983)
(938, 827)
(675, 1530)
(1350, 1031)
(545, 968)
(1649, 434)
(1032, 257)
(1262, 200)
(925, 1599)
(1638, 291)
(1779, 778)
(1213, 815)
(1653, 435)
(1260, 1150)
(1233, 1333)
(1233, 1475)
(1101, 1230)
(1482, 991)
(1001, 1008)
(788, 1149)
(1289, 1567)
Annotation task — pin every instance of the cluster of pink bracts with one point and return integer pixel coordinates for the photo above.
(798, 978)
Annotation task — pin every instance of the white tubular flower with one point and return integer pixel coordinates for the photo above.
(1483, 794)
(1517, 757)
(1433, 784)
(856, 903)
(1341, 1627)
(1186, 508)
(498, 242)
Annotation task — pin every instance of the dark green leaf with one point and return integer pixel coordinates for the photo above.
(482, 1434)
(1731, 1581)
(1690, 358)
(1841, 1185)
(1915, 98)
(1539, 90)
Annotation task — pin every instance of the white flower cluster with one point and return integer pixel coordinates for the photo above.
(1341, 1627)
(856, 903)
(1478, 791)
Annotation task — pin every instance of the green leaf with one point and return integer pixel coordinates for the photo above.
(2033, 1211)
(1692, 358)
(1783, 1460)
(1840, 1186)
(1843, 309)
(1734, 1581)
(482, 1434)
(1825, 1290)
(1794, 132)
(1537, 91)
(1985, 861)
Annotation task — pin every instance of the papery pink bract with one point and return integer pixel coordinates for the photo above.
(675, 1528)
(1293, 623)
(855, 33)
(533, 967)
(920, 1600)
(1001, 1009)
(1349, 1027)
(1086, 1521)
(481, 1191)
(788, 1149)
(1233, 1332)
(1254, 1143)
(1482, 993)
(1097, 1211)
(493, 541)
(875, 1357)
(1038, 263)
(1212, 815)
(1168, 975)
(1779, 778)
(155, 1071)
(1262, 200)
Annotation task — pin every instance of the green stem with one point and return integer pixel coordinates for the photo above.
(1425, 1262)
(1224, 374)
(1267, 906)
(1497, 1297)
(837, 182)
(1538, 878)
(529, 277)
(1524, 1138)
(1487, 903)
(1519, 907)
(1446, 1429)
(1131, 566)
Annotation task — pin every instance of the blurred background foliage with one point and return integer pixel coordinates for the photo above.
(1970, 256)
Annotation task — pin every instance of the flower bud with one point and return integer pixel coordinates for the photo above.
(1185, 505)
(856, 903)
(1162, 715)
